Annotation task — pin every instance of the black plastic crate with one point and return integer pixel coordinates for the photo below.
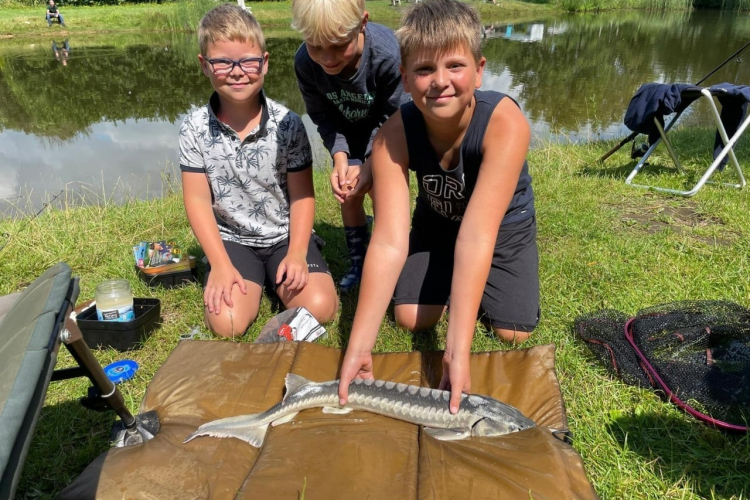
(120, 335)
(168, 279)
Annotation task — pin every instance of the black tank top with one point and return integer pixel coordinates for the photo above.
(447, 193)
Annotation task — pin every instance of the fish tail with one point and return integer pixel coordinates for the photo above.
(236, 427)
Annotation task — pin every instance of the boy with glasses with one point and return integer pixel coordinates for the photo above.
(247, 184)
(347, 71)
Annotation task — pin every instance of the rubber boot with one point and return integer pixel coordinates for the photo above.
(357, 239)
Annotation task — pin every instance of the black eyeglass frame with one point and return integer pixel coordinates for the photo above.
(255, 71)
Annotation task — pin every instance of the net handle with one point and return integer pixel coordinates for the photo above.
(672, 396)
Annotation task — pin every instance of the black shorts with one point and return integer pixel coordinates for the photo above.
(511, 295)
(259, 264)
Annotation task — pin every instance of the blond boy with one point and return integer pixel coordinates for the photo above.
(347, 71)
(247, 184)
(473, 236)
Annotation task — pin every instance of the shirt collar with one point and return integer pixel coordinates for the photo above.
(213, 104)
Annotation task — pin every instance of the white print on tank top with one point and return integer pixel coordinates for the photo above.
(446, 195)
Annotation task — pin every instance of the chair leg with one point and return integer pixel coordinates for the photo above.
(136, 430)
(728, 150)
(642, 162)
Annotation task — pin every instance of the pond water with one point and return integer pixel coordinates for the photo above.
(103, 120)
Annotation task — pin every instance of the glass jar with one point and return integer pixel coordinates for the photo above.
(114, 301)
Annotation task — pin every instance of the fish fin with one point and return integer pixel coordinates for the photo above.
(337, 410)
(252, 435)
(293, 383)
(284, 419)
(447, 434)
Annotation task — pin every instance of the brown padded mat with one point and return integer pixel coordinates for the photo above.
(359, 455)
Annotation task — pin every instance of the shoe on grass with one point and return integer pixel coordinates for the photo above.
(351, 279)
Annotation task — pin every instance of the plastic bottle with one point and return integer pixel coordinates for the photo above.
(114, 301)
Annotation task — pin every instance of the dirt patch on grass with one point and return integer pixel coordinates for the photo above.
(655, 215)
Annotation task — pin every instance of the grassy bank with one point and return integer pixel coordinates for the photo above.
(21, 21)
(602, 245)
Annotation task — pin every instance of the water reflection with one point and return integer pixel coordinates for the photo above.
(532, 32)
(61, 51)
(575, 80)
(93, 114)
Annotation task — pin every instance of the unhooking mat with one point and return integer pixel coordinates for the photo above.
(321, 456)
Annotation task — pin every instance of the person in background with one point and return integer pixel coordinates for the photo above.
(247, 182)
(347, 71)
(473, 233)
(53, 13)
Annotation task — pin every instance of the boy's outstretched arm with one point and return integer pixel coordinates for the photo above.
(387, 252)
(301, 215)
(505, 145)
(196, 194)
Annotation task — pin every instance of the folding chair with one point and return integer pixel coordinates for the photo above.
(654, 101)
(33, 324)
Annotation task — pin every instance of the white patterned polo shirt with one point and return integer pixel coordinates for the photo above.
(248, 178)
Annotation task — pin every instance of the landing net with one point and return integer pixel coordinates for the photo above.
(696, 353)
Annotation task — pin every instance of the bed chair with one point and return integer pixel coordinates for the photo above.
(654, 101)
(33, 324)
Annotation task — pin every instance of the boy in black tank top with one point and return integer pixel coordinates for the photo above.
(473, 237)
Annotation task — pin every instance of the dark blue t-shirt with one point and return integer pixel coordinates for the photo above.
(349, 111)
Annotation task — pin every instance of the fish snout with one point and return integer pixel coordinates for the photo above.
(488, 427)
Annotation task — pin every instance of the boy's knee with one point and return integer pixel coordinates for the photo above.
(323, 306)
(413, 320)
(228, 324)
(513, 336)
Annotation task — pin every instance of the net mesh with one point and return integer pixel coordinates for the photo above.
(700, 349)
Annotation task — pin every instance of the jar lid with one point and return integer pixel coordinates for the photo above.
(120, 371)
(115, 285)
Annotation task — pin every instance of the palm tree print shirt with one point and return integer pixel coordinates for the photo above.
(248, 178)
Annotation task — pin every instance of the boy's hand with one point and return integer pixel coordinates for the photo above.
(221, 280)
(355, 365)
(361, 179)
(338, 180)
(295, 268)
(456, 378)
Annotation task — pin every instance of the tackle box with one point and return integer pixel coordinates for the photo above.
(171, 275)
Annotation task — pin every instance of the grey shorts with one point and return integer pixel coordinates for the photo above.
(511, 295)
(259, 264)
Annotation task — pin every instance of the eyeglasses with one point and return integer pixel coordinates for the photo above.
(223, 66)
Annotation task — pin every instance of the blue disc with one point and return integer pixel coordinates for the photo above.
(120, 371)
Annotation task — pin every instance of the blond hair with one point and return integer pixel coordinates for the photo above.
(440, 25)
(229, 23)
(327, 21)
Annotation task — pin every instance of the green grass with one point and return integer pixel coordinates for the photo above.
(19, 21)
(602, 245)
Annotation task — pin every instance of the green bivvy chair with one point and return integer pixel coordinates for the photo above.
(33, 324)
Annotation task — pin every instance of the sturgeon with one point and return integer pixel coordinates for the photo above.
(477, 415)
